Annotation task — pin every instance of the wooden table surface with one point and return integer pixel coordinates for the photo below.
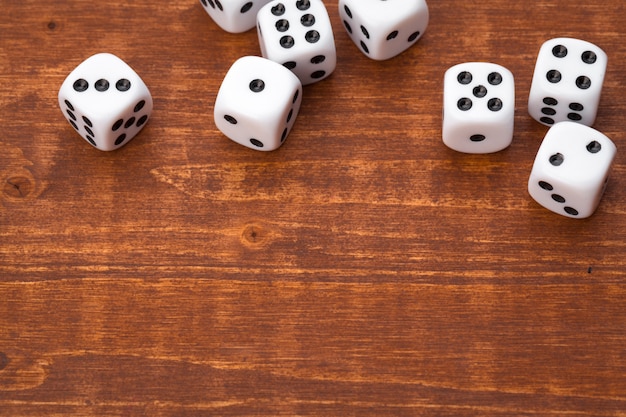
(363, 269)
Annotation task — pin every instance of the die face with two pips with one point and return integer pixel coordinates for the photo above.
(298, 35)
(234, 16)
(567, 82)
(478, 107)
(571, 169)
(105, 101)
(383, 29)
(257, 103)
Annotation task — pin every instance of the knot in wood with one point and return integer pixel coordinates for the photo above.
(17, 187)
(254, 235)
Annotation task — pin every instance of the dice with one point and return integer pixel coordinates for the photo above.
(478, 107)
(234, 16)
(383, 29)
(257, 103)
(298, 34)
(105, 101)
(567, 82)
(571, 169)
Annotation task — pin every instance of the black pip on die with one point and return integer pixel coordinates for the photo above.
(383, 29)
(567, 82)
(298, 34)
(478, 107)
(571, 169)
(257, 103)
(105, 101)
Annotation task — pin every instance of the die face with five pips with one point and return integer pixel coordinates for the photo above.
(105, 101)
(478, 107)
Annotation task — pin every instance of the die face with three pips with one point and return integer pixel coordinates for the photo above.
(105, 101)
(571, 169)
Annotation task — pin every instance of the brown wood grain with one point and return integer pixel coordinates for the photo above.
(363, 269)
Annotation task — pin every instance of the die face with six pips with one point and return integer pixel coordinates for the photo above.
(298, 35)
(105, 101)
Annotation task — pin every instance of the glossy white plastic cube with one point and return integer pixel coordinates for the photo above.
(234, 16)
(298, 35)
(258, 103)
(105, 101)
(567, 82)
(571, 169)
(382, 29)
(478, 107)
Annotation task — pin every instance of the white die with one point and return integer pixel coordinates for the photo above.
(384, 29)
(567, 82)
(571, 169)
(105, 101)
(257, 103)
(298, 34)
(234, 16)
(478, 107)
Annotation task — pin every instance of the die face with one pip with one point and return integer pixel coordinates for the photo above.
(478, 107)
(571, 169)
(257, 103)
(105, 101)
(383, 29)
(234, 16)
(567, 82)
(298, 34)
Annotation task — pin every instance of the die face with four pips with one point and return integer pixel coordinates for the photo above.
(105, 101)
(567, 82)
